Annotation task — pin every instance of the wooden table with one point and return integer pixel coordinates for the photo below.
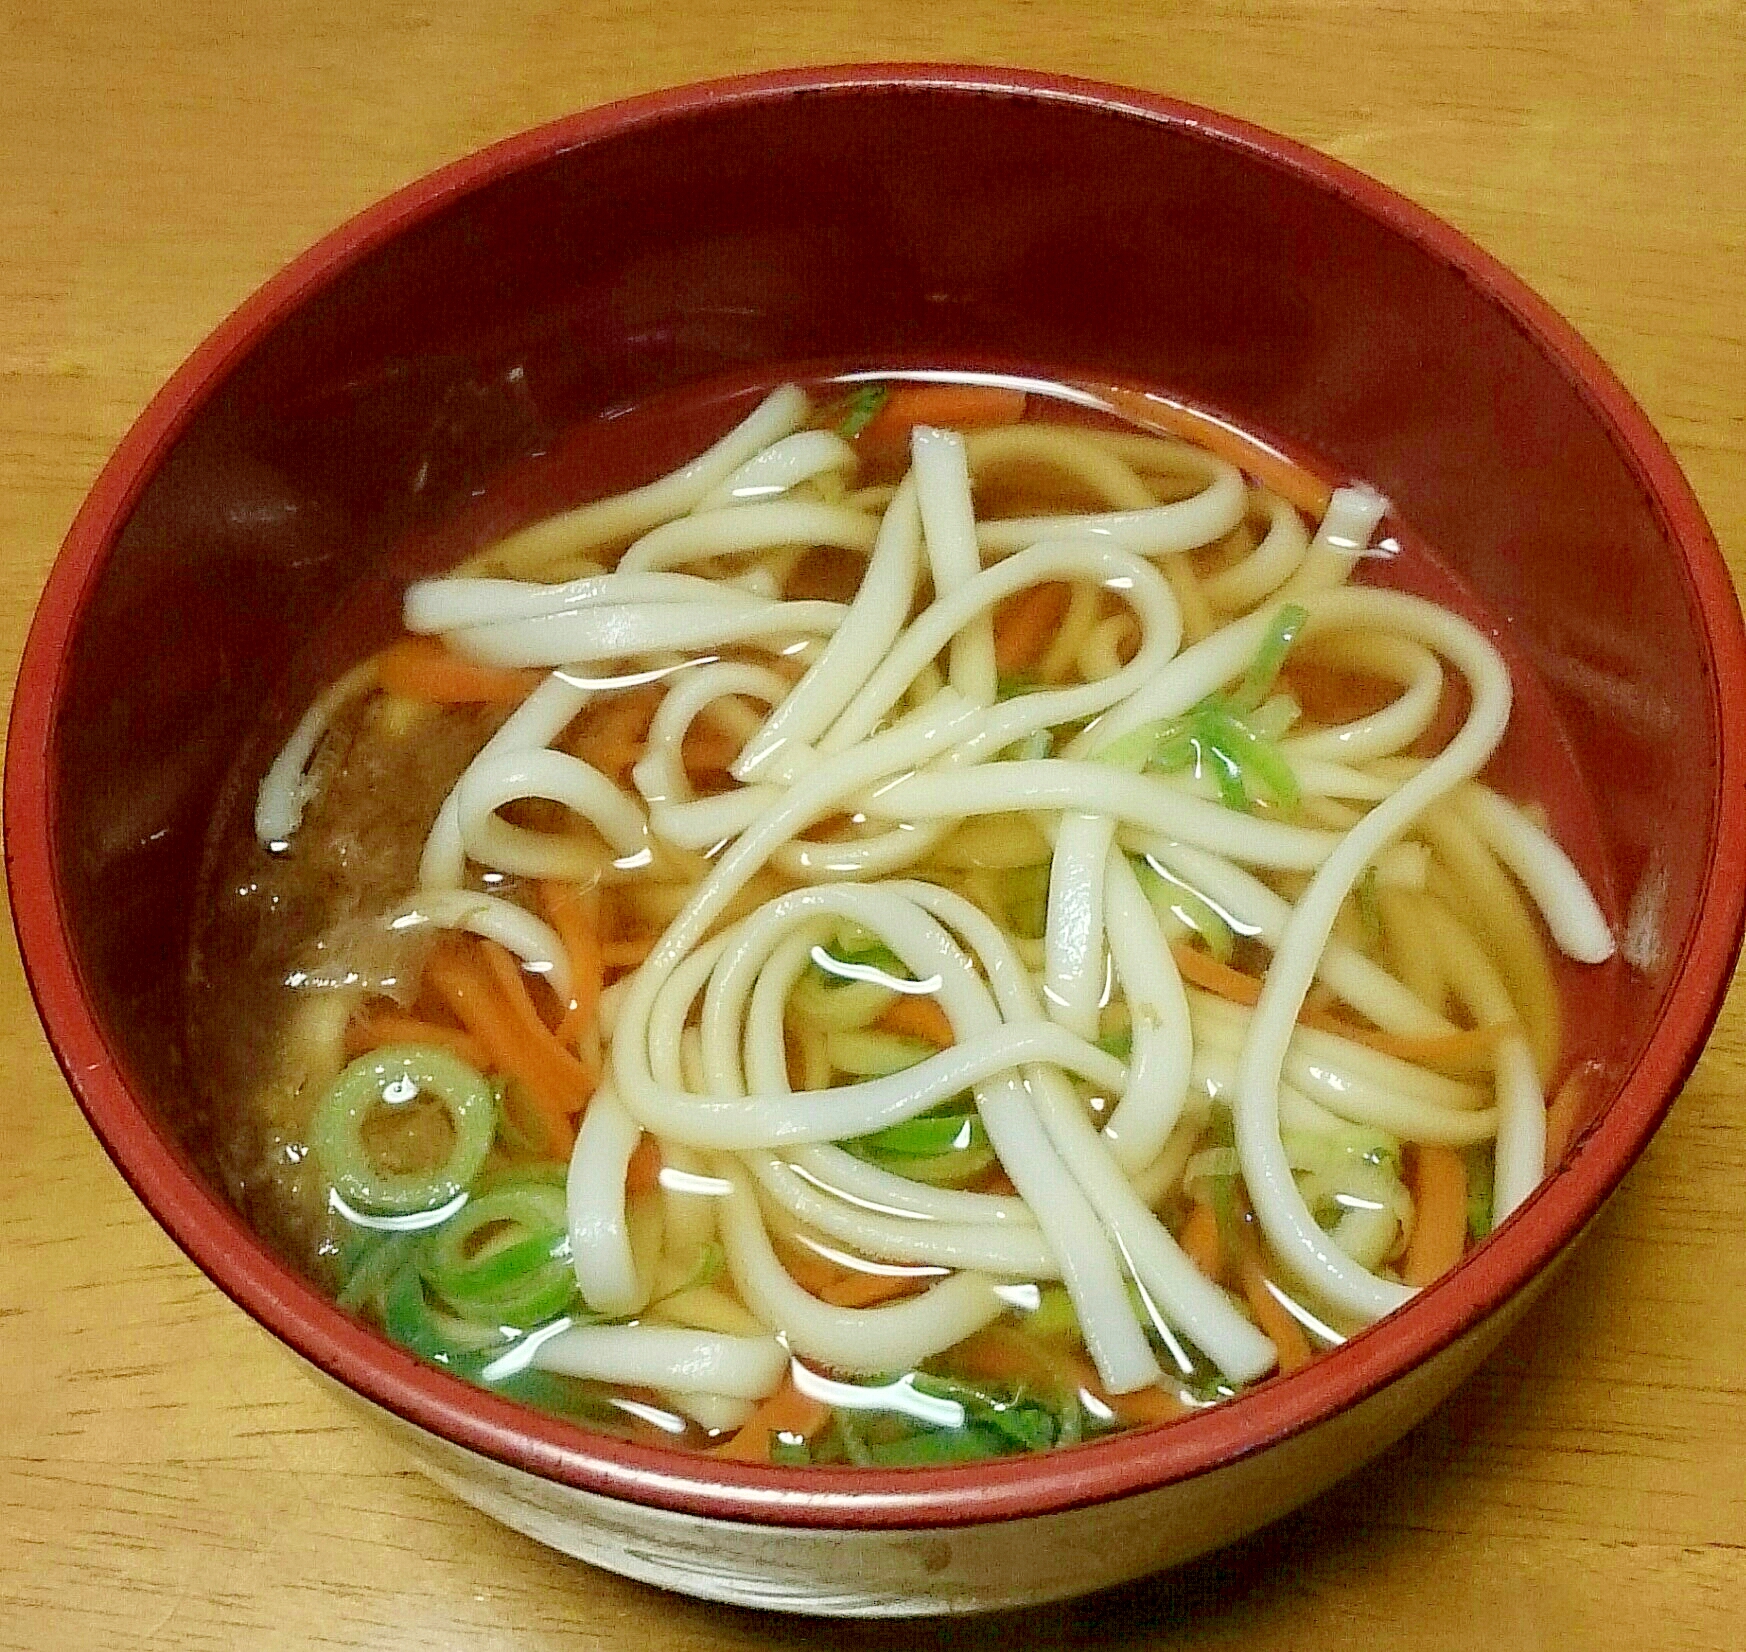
(168, 1480)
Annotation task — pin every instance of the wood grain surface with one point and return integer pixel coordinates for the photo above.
(167, 1480)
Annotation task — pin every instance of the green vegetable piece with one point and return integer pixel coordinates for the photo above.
(863, 1052)
(864, 403)
(391, 1077)
(1258, 680)
(949, 1128)
(1480, 1176)
(519, 1273)
(1054, 1318)
(789, 1453)
(1119, 1043)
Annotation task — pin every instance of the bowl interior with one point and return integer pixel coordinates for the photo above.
(371, 394)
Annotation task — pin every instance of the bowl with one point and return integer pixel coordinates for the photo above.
(387, 382)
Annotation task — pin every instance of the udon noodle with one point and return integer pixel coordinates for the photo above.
(917, 935)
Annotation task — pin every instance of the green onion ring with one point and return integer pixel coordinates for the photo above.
(393, 1076)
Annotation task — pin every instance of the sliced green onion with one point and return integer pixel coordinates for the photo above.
(864, 403)
(1172, 899)
(1252, 759)
(1264, 668)
(1025, 894)
(939, 1131)
(1369, 909)
(1054, 1318)
(520, 1273)
(392, 1077)
(1480, 1176)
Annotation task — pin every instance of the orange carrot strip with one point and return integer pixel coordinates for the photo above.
(1025, 622)
(1273, 470)
(912, 1016)
(866, 1290)
(1462, 1052)
(612, 737)
(421, 668)
(949, 406)
(810, 1271)
(1565, 1112)
(643, 1173)
(1000, 1354)
(572, 1079)
(787, 1411)
(1439, 1214)
(575, 914)
(1286, 1335)
(469, 993)
(1144, 1405)
(370, 1029)
(1206, 972)
(1199, 1239)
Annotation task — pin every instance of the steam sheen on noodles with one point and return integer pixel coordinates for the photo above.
(961, 1009)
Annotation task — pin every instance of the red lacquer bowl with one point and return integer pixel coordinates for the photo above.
(972, 218)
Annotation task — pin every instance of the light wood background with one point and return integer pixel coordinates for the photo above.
(168, 1481)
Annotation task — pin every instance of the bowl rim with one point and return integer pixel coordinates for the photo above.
(214, 1237)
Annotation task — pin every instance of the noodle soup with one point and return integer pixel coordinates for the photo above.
(949, 925)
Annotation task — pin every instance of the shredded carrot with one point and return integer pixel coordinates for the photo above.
(810, 1271)
(464, 984)
(912, 1016)
(421, 668)
(949, 406)
(1469, 1051)
(1000, 1354)
(371, 1028)
(1199, 1240)
(866, 1290)
(1025, 623)
(1286, 1335)
(643, 1173)
(1206, 972)
(787, 1411)
(1144, 1405)
(1439, 1214)
(575, 914)
(1273, 470)
(1565, 1113)
(573, 1078)
(612, 737)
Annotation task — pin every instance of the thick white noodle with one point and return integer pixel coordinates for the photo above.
(600, 1247)
(897, 1337)
(285, 789)
(1296, 1238)
(781, 466)
(1268, 566)
(942, 482)
(667, 1356)
(511, 926)
(749, 528)
(1520, 1159)
(660, 773)
(1543, 869)
(607, 521)
(1189, 1300)
(1074, 968)
(1251, 908)
(534, 724)
(1160, 530)
(555, 776)
(1163, 1039)
(1012, 1252)
(437, 605)
(856, 646)
(578, 636)
(1340, 541)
